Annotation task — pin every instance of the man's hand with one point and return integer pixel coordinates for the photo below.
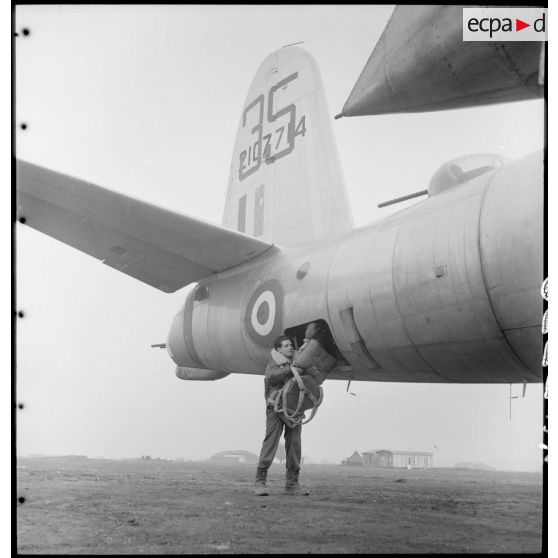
(314, 372)
(298, 369)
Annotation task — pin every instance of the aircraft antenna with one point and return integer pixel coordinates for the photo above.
(510, 401)
(516, 396)
(292, 44)
(350, 392)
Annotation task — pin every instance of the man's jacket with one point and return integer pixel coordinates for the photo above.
(277, 372)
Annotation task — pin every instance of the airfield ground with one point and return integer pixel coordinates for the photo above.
(94, 506)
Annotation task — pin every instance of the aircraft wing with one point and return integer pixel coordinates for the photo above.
(159, 247)
(421, 63)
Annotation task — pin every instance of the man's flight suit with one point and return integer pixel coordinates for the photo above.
(313, 360)
(277, 372)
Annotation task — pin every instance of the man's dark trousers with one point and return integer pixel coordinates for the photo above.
(293, 446)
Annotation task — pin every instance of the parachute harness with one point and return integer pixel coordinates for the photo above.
(296, 417)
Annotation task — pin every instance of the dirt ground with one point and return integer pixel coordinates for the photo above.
(95, 506)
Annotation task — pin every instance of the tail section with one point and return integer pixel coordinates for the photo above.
(286, 184)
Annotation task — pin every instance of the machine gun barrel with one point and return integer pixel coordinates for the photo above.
(403, 198)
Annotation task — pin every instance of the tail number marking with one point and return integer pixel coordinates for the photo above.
(276, 143)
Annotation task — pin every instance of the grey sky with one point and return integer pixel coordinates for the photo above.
(146, 100)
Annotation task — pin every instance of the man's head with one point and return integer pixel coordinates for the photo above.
(284, 346)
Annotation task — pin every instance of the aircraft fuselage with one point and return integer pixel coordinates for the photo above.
(447, 290)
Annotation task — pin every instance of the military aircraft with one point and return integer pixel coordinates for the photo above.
(447, 290)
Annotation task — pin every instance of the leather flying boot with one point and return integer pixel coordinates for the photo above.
(260, 488)
(292, 487)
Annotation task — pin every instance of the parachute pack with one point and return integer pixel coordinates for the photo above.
(303, 392)
(299, 394)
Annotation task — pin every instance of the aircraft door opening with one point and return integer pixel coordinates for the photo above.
(296, 333)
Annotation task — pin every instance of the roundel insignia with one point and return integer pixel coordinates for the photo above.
(264, 313)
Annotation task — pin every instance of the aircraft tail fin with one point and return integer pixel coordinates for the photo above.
(286, 185)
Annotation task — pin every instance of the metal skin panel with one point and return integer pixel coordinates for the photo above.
(386, 335)
(383, 328)
(305, 299)
(346, 273)
(375, 313)
(217, 324)
(441, 294)
(511, 243)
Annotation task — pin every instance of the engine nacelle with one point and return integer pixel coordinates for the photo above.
(180, 345)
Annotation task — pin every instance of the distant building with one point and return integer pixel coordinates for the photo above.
(234, 456)
(355, 460)
(398, 459)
